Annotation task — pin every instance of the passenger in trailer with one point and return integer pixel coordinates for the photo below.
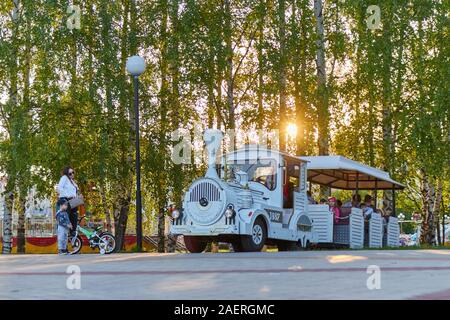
(367, 207)
(368, 200)
(355, 203)
(334, 208)
(367, 211)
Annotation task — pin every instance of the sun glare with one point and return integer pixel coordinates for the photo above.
(291, 130)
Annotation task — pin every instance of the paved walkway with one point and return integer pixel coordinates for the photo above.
(421, 274)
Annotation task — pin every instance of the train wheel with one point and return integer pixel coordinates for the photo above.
(256, 241)
(195, 244)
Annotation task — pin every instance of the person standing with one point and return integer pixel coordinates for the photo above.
(63, 225)
(67, 190)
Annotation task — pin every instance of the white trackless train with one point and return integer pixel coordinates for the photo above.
(261, 198)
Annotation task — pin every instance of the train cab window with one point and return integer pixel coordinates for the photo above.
(265, 176)
(291, 183)
(263, 171)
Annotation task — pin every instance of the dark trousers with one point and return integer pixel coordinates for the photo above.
(73, 217)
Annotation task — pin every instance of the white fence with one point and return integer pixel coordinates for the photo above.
(376, 231)
(393, 232)
(322, 220)
(356, 229)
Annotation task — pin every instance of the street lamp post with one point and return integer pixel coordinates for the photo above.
(401, 218)
(444, 218)
(135, 67)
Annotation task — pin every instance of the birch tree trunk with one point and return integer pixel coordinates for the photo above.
(105, 207)
(323, 113)
(22, 115)
(428, 230)
(124, 188)
(282, 72)
(299, 76)
(177, 174)
(121, 218)
(229, 69)
(7, 223)
(164, 94)
(13, 103)
(261, 17)
(388, 143)
(437, 209)
(107, 60)
(21, 224)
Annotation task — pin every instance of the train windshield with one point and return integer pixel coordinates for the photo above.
(262, 171)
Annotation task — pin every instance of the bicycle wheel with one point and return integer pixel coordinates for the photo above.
(107, 243)
(74, 245)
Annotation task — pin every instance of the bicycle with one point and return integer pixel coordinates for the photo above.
(105, 241)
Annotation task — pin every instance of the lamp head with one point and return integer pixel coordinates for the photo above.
(135, 65)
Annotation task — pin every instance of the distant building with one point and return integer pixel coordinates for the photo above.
(38, 211)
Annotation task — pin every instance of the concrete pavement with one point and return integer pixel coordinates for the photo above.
(403, 274)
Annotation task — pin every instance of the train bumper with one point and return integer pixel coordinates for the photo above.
(213, 230)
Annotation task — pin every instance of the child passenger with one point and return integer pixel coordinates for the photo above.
(64, 225)
(334, 208)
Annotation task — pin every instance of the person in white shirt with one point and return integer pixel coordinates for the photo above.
(68, 189)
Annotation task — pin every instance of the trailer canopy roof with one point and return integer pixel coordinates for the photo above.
(341, 173)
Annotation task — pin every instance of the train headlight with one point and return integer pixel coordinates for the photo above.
(175, 214)
(229, 213)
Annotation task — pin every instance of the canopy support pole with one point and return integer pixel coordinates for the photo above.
(376, 195)
(394, 214)
(357, 182)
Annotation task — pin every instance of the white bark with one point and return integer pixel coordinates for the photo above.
(320, 58)
(282, 74)
(322, 94)
(229, 72)
(430, 201)
(7, 225)
(322, 99)
(7, 217)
